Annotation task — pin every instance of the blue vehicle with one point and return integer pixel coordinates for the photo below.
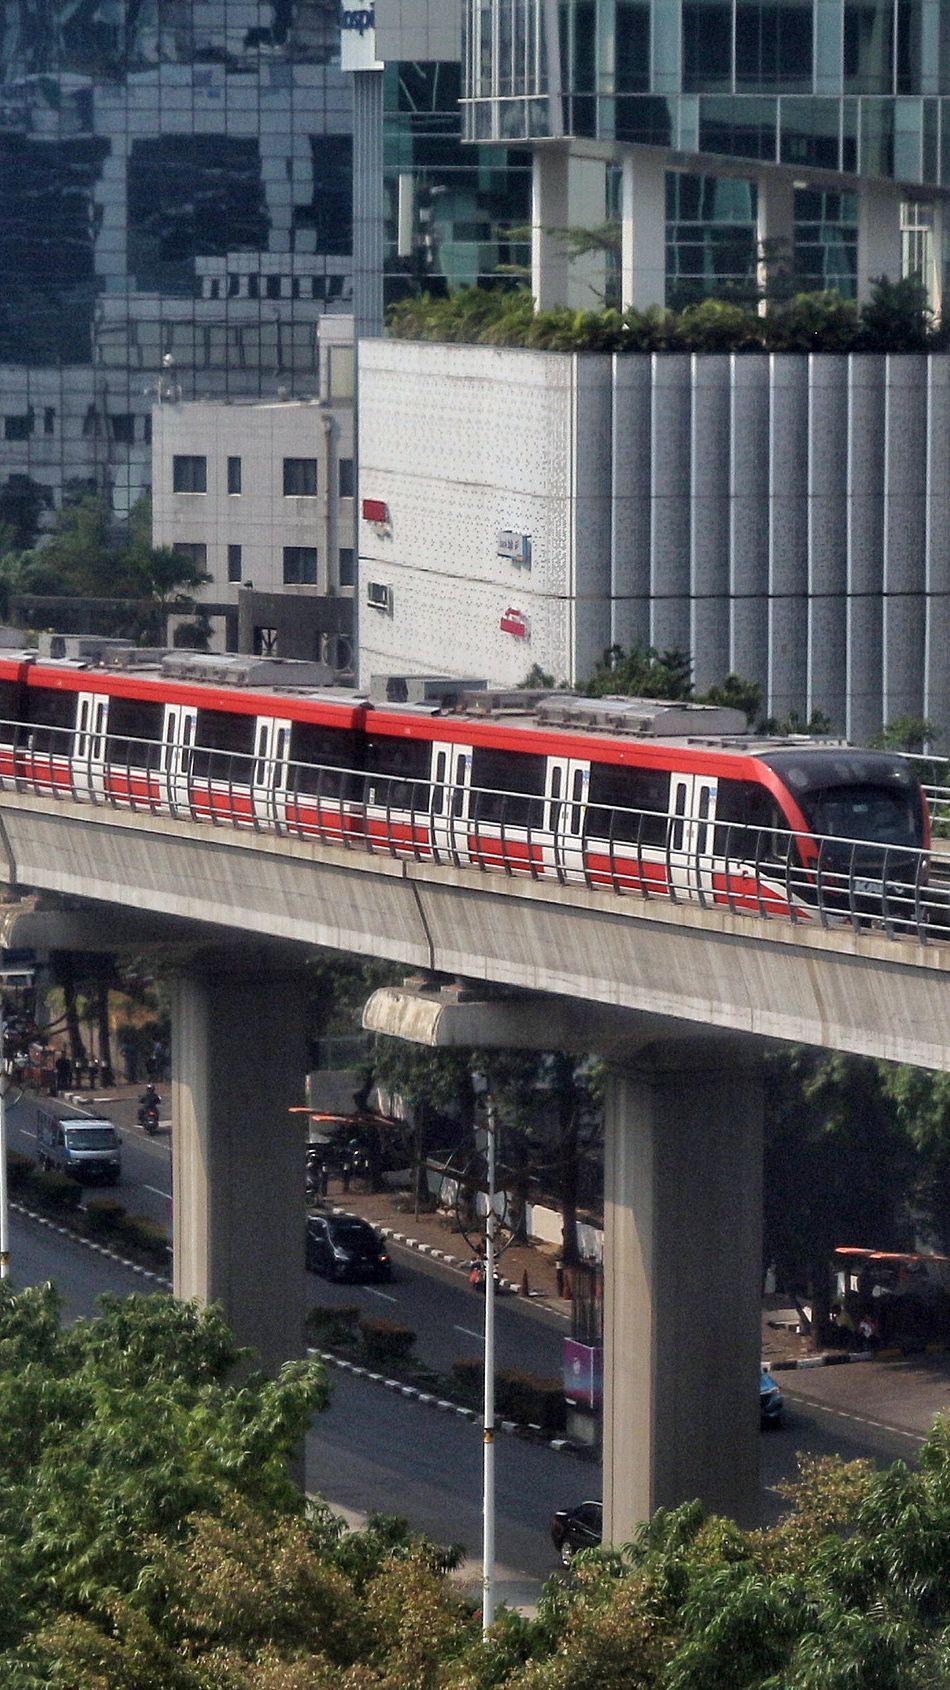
(771, 1401)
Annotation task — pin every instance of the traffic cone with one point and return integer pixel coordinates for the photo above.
(525, 1288)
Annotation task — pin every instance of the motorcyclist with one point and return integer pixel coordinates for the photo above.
(149, 1100)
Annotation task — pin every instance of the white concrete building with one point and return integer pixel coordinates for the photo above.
(262, 495)
(784, 516)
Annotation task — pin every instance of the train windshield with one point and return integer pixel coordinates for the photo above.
(873, 813)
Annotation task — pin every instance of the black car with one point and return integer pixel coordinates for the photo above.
(345, 1247)
(577, 1528)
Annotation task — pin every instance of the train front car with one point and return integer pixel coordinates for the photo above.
(861, 831)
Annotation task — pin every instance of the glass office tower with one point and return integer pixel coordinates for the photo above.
(855, 86)
(455, 216)
(175, 216)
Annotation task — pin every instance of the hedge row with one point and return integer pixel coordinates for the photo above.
(895, 319)
(104, 1218)
(525, 1397)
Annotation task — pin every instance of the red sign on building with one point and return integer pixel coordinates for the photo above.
(514, 622)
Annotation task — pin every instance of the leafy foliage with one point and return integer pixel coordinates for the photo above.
(152, 1541)
(894, 319)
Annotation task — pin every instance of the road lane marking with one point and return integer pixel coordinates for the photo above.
(384, 1294)
(862, 1420)
(468, 1332)
(158, 1193)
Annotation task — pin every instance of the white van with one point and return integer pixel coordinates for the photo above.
(87, 1150)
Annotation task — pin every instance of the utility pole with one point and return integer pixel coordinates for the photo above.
(488, 1429)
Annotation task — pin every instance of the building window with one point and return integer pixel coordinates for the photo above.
(148, 429)
(234, 475)
(300, 477)
(273, 287)
(347, 558)
(18, 428)
(49, 419)
(265, 642)
(189, 475)
(347, 479)
(195, 551)
(234, 562)
(300, 566)
(123, 428)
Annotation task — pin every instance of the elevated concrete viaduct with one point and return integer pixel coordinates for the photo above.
(680, 999)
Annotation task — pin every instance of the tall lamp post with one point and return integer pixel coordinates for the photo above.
(488, 1237)
(6, 1071)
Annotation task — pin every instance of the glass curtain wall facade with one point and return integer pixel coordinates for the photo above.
(855, 86)
(455, 216)
(175, 216)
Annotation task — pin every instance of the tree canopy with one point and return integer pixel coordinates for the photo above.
(152, 1540)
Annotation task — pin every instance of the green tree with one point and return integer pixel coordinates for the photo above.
(839, 1164)
(642, 672)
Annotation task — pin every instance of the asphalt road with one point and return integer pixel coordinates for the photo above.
(374, 1450)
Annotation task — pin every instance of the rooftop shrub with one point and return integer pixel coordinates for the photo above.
(895, 319)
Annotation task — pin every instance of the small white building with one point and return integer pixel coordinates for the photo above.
(261, 494)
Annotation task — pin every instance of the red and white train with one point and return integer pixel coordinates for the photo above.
(672, 800)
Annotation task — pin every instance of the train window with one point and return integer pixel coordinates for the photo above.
(134, 725)
(10, 707)
(322, 759)
(52, 713)
(577, 794)
(438, 790)
(397, 772)
(628, 804)
(508, 787)
(747, 819)
(224, 745)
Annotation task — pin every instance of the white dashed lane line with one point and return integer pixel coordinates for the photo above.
(863, 1420)
(387, 1298)
(468, 1332)
(155, 1191)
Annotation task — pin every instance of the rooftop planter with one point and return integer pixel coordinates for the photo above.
(894, 319)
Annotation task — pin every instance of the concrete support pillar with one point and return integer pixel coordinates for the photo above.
(879, 234)
(569, 191)
(775, 228)
(238, 1060)
(682, 1291)
(643, 229)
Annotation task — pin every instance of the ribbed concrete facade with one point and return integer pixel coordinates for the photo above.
(782, 516)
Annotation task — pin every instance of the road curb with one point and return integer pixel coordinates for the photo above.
(90, 1244)
(835, 1358)
(512, 1428)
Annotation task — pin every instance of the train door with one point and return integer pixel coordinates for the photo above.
(89, 746)
(178, 741)
(565, 805)
(269, 772)
(690, 847)
(451, 797)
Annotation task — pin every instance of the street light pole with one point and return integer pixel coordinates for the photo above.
(488, 1433)
(4, 1205)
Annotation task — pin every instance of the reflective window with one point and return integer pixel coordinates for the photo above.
(347, 566)
(707, 44)
(234, 475)
(774, 43)
(868, 46)
(347, 478)
(234, 563)
(300, 566)
(189, 474)
(300, 477)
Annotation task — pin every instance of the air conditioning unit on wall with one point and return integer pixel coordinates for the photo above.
(379, 596)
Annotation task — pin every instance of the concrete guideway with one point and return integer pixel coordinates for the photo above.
(835, 988)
